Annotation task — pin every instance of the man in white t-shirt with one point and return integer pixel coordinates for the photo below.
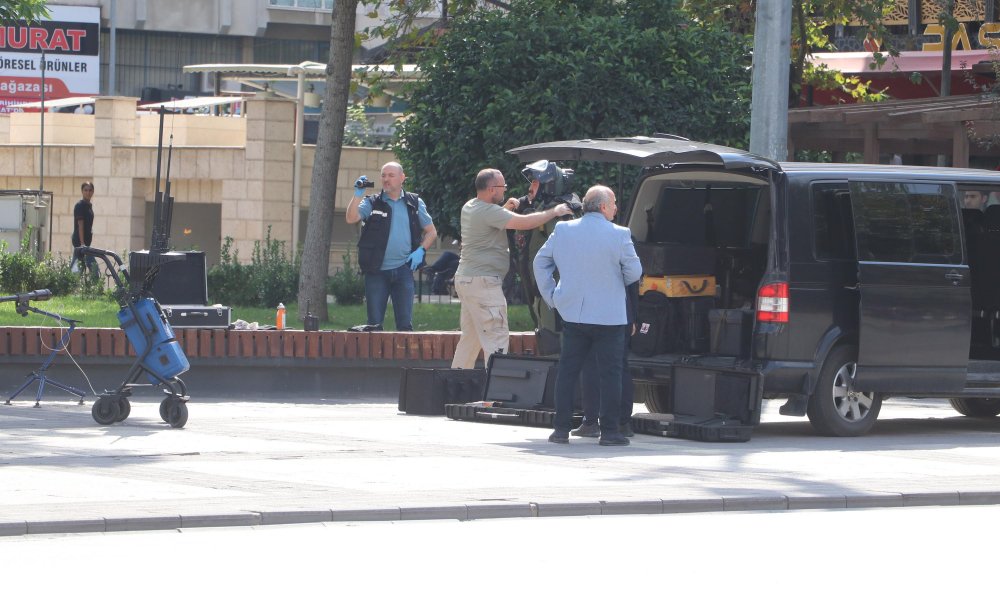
(484, 262)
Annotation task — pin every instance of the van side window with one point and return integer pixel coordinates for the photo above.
(833, 228)
(906, 222)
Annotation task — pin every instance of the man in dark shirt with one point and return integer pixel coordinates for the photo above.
(83, 226)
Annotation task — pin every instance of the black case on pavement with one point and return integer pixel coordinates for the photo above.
(426, 391)
(537, 418)
(675, 259)
(198, 316)
(710, 430)
(521, 382)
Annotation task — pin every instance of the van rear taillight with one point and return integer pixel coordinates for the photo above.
(772, 302)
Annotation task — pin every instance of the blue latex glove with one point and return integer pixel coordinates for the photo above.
(416, 258)
(359, 189)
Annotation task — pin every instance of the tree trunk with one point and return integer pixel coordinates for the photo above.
(322, 195)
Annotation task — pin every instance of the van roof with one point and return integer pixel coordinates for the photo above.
(891, 170)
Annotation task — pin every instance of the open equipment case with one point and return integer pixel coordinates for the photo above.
(158, 354)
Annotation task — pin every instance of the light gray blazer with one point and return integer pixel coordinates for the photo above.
(596, 260)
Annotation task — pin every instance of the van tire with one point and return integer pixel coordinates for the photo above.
(977, 407)
(834, 408)
(655, 396)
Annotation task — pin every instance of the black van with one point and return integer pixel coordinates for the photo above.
(832, 286)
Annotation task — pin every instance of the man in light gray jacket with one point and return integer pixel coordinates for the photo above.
(596, 260)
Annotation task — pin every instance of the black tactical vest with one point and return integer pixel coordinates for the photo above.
(375, 231)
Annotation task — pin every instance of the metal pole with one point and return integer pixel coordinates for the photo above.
(769, 103)
(300, 105)
(112, 53)
(41, 146)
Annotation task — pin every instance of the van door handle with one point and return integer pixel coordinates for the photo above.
(956, 276)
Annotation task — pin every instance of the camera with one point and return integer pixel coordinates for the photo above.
(555, 184)
(363, 183)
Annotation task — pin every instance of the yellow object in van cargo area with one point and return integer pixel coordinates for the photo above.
(679, 286)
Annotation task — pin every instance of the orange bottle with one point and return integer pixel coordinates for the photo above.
(279, 319)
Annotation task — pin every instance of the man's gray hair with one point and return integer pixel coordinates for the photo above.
(596, 197)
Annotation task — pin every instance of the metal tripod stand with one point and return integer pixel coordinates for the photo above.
(41, 374)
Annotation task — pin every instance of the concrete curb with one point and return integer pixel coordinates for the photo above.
(503, 510)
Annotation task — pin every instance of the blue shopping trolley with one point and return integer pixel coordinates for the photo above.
(158, 354)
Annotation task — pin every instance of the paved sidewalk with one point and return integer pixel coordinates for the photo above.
(291, 459)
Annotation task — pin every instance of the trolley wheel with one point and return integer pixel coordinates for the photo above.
(177, 413)
(105, 411)
(124, 409)
(165, 407)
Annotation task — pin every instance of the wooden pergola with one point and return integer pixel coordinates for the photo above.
(958, 127)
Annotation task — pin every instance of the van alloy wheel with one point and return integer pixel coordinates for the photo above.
(836, 408)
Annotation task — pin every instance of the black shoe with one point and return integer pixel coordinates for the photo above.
(626, 430)
(587, 431)
(559, 437)
(612, 440)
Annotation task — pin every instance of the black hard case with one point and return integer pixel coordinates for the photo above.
(675, 259)
(654, 317)
(426, 391)
(198, 316)
(521, 382)
(730, 331)
(690, 332)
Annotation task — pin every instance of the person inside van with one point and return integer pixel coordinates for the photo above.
(974, 200)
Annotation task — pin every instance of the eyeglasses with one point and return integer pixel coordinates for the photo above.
(500, 186)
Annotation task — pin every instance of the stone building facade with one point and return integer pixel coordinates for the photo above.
(231, 176)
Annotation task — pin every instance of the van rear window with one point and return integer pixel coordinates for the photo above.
(906, 222)
(714, 216)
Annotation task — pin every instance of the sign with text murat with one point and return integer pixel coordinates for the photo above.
(69, 40)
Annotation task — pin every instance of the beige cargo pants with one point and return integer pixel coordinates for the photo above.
(484, 319)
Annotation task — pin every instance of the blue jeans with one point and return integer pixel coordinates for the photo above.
(88, 263)
(382, 285)
(607, 344)
(589, 385)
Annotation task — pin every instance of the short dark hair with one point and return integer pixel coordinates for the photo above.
(485, 178)
(87, 184)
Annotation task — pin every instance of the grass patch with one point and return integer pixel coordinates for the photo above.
(100, 313)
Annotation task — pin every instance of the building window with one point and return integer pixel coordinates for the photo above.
(303, 4)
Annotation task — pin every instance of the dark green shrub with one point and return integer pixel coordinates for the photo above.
(270, 278)
(229, 282)
(276, 277)
(54, 274)
(17, 269)
(347, 285)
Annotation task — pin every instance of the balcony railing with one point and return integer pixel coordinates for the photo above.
(302, 4)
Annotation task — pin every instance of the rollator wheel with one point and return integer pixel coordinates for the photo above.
(105, 411)
(124, 409)
(177, 413)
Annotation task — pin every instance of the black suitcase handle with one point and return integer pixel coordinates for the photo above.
(692, 290)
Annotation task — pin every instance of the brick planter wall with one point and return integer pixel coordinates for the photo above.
(252, 346)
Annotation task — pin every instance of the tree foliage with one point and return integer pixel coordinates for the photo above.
(812, 20)
(547, 70)
(22, 10)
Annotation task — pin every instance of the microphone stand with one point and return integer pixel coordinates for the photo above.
(40, 374)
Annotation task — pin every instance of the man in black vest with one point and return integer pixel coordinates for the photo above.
(396, 234)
